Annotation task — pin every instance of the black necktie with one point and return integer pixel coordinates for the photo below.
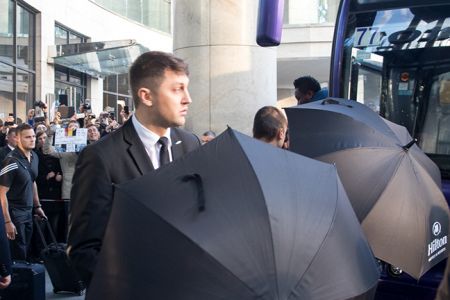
(164, 151)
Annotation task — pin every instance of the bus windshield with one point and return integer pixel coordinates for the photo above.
(397, 61)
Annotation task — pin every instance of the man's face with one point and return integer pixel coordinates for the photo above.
(41, 139)
(93, 134)
(30, 113)
(206, 138)
(303, 98)
(12, 139)
(27, 139)
(169, 104)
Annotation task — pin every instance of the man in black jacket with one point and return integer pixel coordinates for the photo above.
(159, 86)
(11, 143)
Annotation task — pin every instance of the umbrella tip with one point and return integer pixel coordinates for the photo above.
(409, 145)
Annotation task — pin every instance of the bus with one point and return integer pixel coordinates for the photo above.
(393, 56)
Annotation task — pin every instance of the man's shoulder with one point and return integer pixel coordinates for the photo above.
(9, 164)
(185, 135)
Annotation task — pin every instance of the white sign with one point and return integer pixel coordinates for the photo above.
(70, 140)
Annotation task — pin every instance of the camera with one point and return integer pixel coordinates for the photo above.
(126, 109)
(86, 106)
(40, 104)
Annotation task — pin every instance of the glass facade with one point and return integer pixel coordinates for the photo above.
(116, 93)
(69, 84)
(17, 58)
(151, 13)
(310, 11)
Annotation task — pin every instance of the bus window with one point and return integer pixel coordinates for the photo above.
(435, 136)
(365, 82)
(397, 61)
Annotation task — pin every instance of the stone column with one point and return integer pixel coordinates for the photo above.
(231, 76)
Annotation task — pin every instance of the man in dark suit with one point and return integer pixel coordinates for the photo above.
(159, 86)
(11, 143)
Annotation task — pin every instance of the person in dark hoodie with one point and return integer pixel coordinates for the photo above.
(307, 89)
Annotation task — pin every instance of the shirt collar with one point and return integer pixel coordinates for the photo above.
(147, 136)
(19, 154)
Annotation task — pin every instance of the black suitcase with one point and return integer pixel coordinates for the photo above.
(62, 274)
(27, 282)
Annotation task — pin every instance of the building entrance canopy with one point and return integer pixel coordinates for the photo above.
(98, 59)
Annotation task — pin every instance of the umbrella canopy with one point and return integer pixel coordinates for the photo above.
(235, 219)
(393, 186)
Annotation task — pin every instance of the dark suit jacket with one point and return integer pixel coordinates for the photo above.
(118, 157)
(4, 151)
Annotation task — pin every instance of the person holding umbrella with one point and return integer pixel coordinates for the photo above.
(150, 138)
(270, 126)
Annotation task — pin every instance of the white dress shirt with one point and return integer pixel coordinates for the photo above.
(150, 141)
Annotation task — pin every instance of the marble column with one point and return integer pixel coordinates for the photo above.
(231, 76)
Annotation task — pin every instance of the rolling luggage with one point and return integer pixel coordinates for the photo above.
(27, 282)
(62, 274)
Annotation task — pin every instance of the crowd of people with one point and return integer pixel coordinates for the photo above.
(36, 179)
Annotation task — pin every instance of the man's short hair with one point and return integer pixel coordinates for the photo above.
(148, 71)
(38, 135)
(12, 130)
(209, 133)
(22, 127)
(91, 125)
(268, 120)
(307, 83)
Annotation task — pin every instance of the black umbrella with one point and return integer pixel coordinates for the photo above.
(236, 219)
(392, 185)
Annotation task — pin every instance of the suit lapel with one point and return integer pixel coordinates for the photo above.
(136, 149)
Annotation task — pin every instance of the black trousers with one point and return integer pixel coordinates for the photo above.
(57, 212)
(22, 218)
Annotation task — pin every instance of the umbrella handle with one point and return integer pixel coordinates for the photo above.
(409, 145)
(201, 193)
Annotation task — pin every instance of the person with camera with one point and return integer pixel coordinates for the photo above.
(9, 123)
(85, 115)
(125, 114)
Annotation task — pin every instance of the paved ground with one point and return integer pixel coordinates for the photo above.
(51, 295)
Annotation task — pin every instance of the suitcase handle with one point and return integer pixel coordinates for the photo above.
(37, 220)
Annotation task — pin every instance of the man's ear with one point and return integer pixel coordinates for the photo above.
(145, 96)
(281, 135)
